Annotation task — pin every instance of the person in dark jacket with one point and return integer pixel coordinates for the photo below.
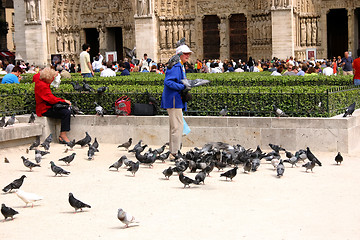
(171, 98)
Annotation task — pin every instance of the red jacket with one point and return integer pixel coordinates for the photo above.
(43, 96)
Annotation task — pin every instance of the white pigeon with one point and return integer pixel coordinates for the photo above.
(56, 82)
(28, 197)
(275, 162)
(125, 217)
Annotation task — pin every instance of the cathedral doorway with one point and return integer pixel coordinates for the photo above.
(337, 32)
(92, 38)
(238, 37)
(115, 41)
(211, 36)
(357, 32)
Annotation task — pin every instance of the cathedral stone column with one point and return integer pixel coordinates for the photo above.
(224, 33)
(351, 29)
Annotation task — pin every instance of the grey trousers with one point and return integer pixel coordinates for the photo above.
(176, 129)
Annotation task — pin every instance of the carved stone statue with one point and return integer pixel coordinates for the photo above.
(302, 32)
(175, 34)
(32, 9)
(319, 33)
(162, 35)
(142, 7)
(169, 35)
(308, 32)
(59, 44)
(72, 43)
(181, 29)
(187, 31)
(313, 31)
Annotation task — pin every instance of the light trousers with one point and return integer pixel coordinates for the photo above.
(176, 129)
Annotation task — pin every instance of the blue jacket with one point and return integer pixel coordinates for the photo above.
(173, 87)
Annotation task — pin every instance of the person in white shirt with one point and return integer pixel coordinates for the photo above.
(328, 71)
(278, 71)
(108, 72)
(97, 64)
(216, 68)
(144, 64)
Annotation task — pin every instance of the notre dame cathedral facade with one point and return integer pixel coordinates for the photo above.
(225, 29)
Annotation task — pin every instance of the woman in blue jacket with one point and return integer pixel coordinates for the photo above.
(171, 98)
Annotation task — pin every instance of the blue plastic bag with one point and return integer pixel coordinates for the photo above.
(186, 129)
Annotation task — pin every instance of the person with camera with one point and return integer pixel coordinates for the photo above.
(50, 106)
(172, 101)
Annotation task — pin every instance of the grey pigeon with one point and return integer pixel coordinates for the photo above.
(91, 153)
(200, 177)
(36, 143)
(338, 158)
(349, 110)
(280, 169)
(247, 166)
(10, 121)
(186, 180)
(86, 87)
(173, 60)
(118, 163)
(77, 204)
(32, 118)
(101, 90)
(126, 144)
(27, 163)
(209, 168)
(75, 110)
(68, 159)
(42, 153)
(77, 86)
(8, 212)
(312, 157)
(220, 165)
(99, 109)
(279, 112)
(160, 150)
(168, 172)
(162, 157)
(230, 174)
(85, 141)
(131, 53)
(38, 157)
(95, 145)
(255, 163)
(194, 83)
(46, 143)
(224, 111)
(125, 218)
(2, 121)
(276, 148)
(71, 144)
(293, 160)
(309, 165)
(58, 170)
(16, 184)
(134, 168)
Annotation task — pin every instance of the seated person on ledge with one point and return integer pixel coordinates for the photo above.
(45, 101)
(14, 76)
(124, 71)
(108, 72)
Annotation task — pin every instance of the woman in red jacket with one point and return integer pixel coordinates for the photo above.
(45, 100)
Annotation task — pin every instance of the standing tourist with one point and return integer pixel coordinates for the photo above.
(346, 64)
(356, 68)
(85, 64)
(171, 98)
(14, 76)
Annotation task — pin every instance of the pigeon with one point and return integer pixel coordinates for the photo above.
(126, 144)
(99, 109)
(279, 112)
(168, 172)
(276, 148)
(134, 168)
(118, 163)
(160, 150)
(136, 146)
(28, 197)
(186, 180)
(280, 169)
(194, 83)
(85, 141)
(247, 166)
(101, 90)
(38, 157)
(77, 204)
(220, 165)
(176, 58)
(125, 218)
(42, 153)
(209, 168)
(35, 144)
(75, 110)
(224, 111)
(32, 118)
(95, 145)
(312, 157)
(309, 165)
(132, 55)
(10, 121)
(58, 170)
(200, 177)
(27, 163)
(338, 158)
(349, 110)
(230, 174)
(91, 152)
(68, 159)
(6, 160)
(71, 144)
(86, 87)
(2, 121)
(16, 184)
(275, 162)
(77, 86)
(255, 164)
(46, 143)
(8, 212)
(162, 157)
(293, 160)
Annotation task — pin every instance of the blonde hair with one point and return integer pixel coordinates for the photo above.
(48, 74)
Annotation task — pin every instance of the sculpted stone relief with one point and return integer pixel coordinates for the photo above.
(172, 31)
(310, 31)
(260, 30)
(32, 9)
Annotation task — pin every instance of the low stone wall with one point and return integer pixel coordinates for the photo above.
(320, 134)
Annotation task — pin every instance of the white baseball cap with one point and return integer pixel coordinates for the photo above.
(183, 49)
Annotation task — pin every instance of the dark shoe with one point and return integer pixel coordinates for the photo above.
(62, 141)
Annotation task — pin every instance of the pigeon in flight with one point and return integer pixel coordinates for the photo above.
(27, 163)
(224, 111)
(338, 158)
(8, 212)
(58, 170)
(36, 143)
(85, 141)
(125, 218)
(168, 172)
(186, 180)
(16, 184)
(118, 163)
(279, 112)
(99, 109)
(10, 121)
(194, 83)
(28, 197)
(131, 53)
(126, 144)
(2, 121)
(280, 169)
(230, 174)
(349, 110)
(68, 159)
(77, 204)
(32, 118)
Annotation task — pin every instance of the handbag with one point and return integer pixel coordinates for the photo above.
(60, 105)
(186, 95)
(144, 109)
(123, 106)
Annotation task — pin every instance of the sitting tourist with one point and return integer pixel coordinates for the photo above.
(108, 72)
(14, 76)
(124, 70)
(278, 71)
(328, 71)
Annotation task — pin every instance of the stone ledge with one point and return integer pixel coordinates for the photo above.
(20, 131)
